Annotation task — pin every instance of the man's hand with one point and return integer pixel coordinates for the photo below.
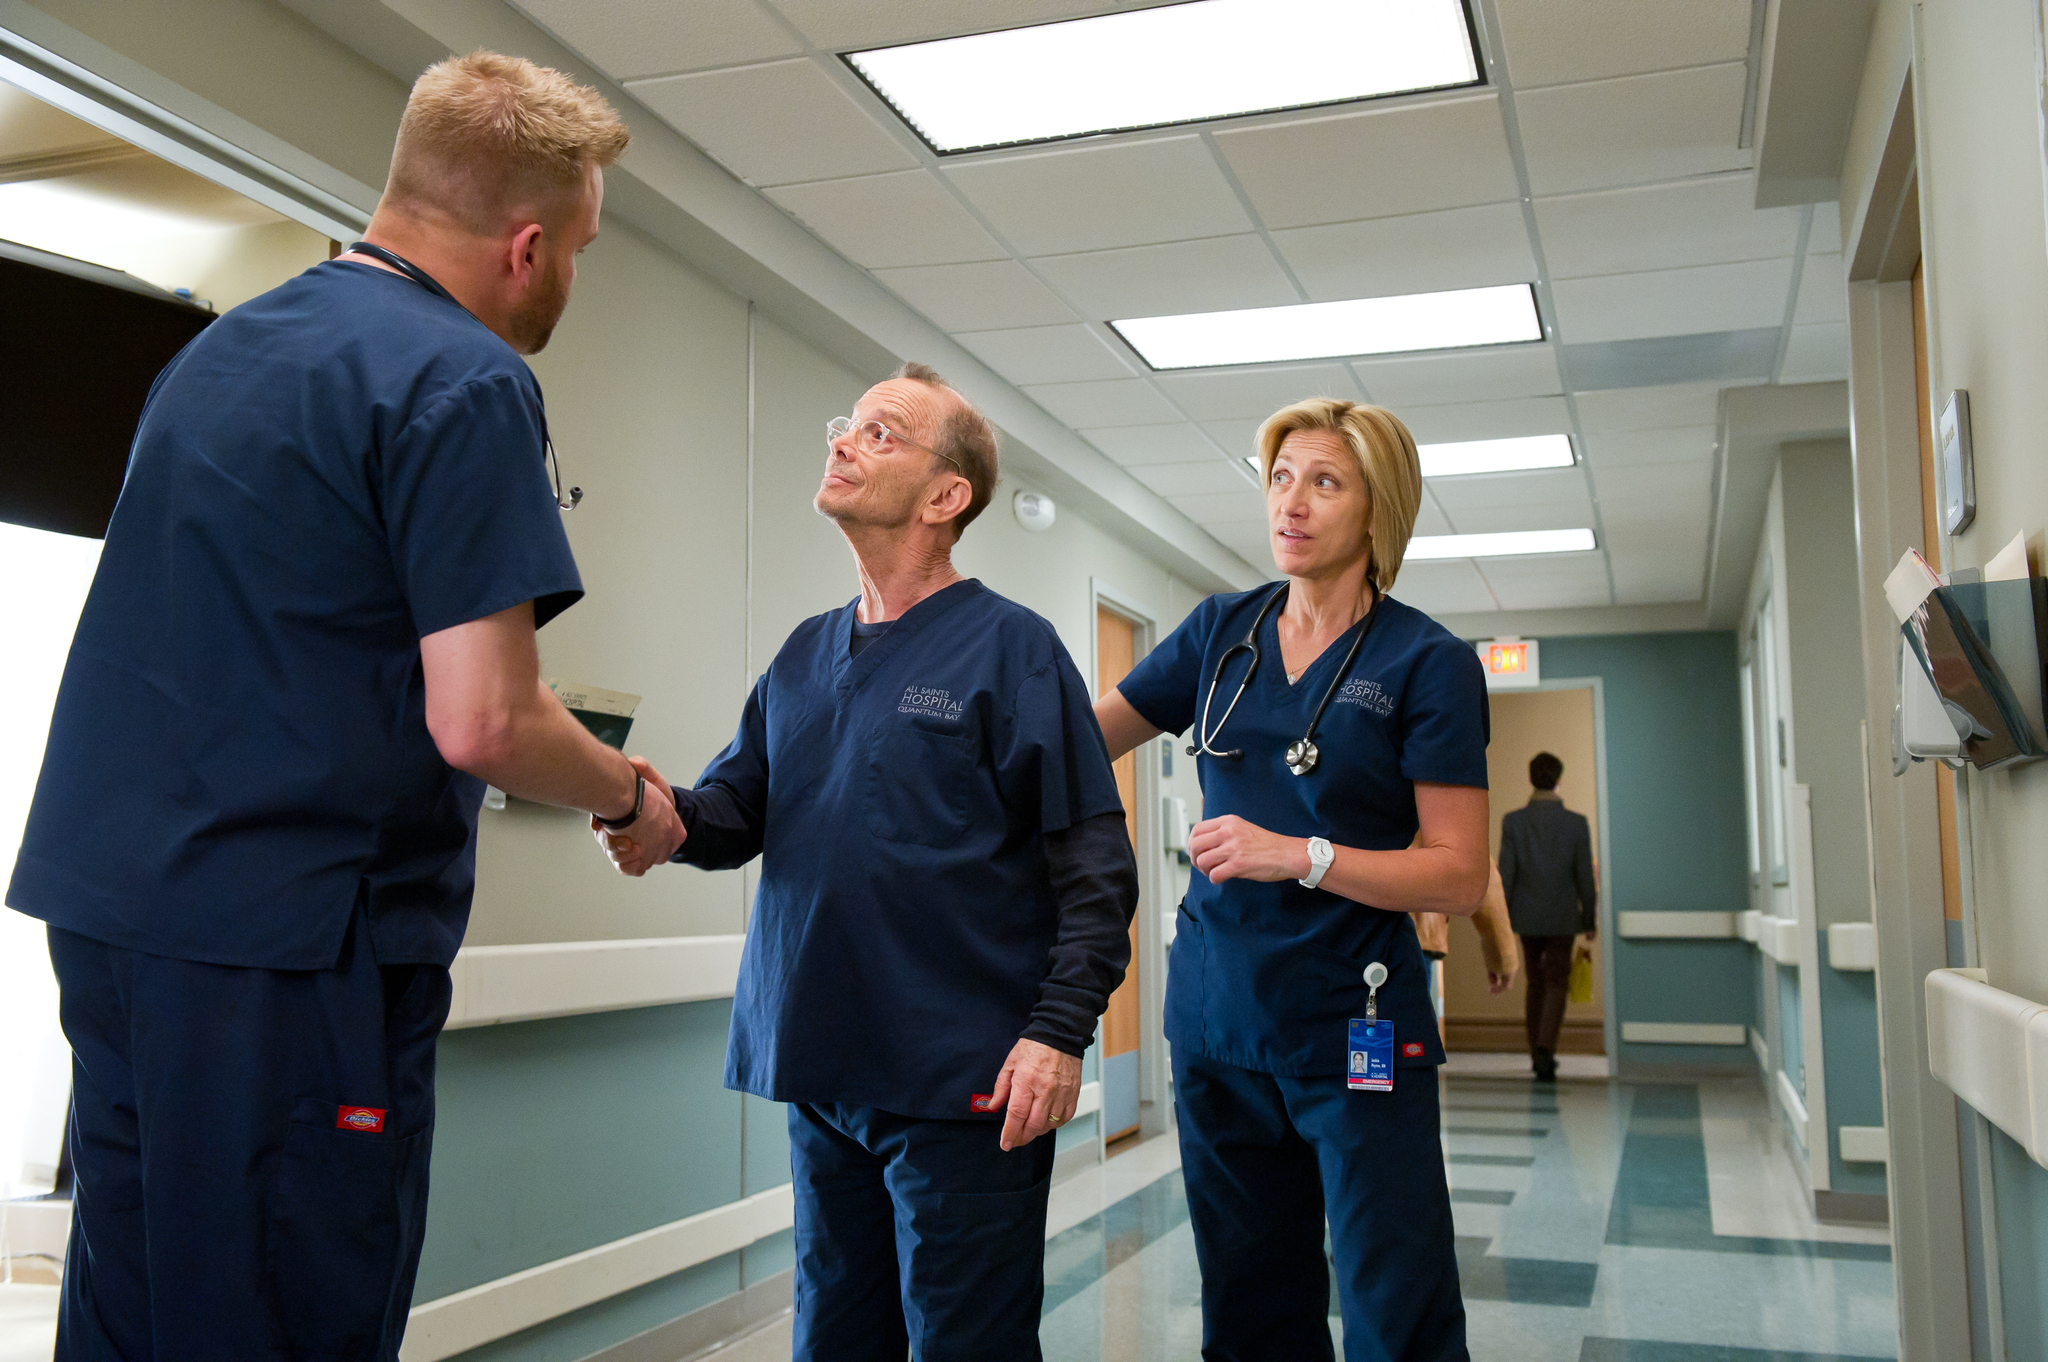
(1228, 848)
(649, 839)
(1586, 940)
(1039, 1088)
(1498, 983)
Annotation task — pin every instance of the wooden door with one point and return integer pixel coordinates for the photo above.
(1931, 545)
(1116, 647)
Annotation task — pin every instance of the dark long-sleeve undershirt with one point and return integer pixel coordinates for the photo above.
(1094, 879)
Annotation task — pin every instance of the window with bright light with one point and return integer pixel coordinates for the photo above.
(1509, 543)
(49, 574)
(1173, 64)
(1457, 319)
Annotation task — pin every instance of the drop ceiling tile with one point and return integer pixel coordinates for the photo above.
(1634, 130)
(1676, 444)
(1823, 291)
(880, 23)
(1117, 402)
(1660, 576)
(1486, 420)
(1413, 158)
(1103, 195)
(1452, 587)
(1245, 538)
(1663, 226)
(1132, 446)
(1542, 515)
(1706, 298)
(1210, 475)
(780, 123)
(633, 38)
(1045, 354)
(1238, 438)
(1468, 376)
(1207, 507)
(1430, 520)
(1677, 531)
(1255, 394)
(925, 224)
(985, 296)
(1825, 236)
(1533, 488)
(1413, 253)
(1677, 485)
(1551, 42)
(1816, 353)
(1674, 404)
(1552, 582)
(1216, 274)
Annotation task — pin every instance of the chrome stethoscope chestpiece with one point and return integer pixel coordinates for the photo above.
(1302, 757)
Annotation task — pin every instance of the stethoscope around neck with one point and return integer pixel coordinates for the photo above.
(434, 286)
(1303, 756)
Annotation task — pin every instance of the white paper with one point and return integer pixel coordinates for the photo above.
(1910, 583)
(2009, 564)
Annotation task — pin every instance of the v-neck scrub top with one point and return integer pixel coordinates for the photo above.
(1266, 976)
(905, 923)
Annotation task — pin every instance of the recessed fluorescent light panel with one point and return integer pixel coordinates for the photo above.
(1176, 63)
(1357, 326)
(1514, 542)
(1467, 457)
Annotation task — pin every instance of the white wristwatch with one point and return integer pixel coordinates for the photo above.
(1320, 856)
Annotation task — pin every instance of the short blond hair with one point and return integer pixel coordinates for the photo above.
(967, 440)
(1386, 458)
(486, 136)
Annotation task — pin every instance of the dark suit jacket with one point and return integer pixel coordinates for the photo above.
(1546, 866)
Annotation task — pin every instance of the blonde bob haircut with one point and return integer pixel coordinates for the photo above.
(1386, 457)
(486, 137)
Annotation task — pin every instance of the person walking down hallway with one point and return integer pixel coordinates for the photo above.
(1546, 866)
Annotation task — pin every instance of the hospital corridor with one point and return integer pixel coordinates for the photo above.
(981, 680)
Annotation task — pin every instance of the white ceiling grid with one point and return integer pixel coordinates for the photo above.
(1602, 162)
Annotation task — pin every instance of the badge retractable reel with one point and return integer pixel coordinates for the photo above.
(1371, 1061)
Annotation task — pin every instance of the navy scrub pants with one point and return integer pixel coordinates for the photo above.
(1266, 1159)
(915, 1234)
(250, 1151)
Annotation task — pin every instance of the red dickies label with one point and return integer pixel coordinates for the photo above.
(981, 1101)
(369, 1120)
(1412, 1049)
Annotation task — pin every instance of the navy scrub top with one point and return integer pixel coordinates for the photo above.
(322, 477)
(1266, 976)
(905, 920)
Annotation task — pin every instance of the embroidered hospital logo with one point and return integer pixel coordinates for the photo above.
(928, 702)
(1366, 695)
(981, 1101)
(1412, 1049)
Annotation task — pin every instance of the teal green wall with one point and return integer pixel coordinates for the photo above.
(1674, 824)
(2021, 1199)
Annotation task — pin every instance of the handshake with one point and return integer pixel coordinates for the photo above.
(651, 838)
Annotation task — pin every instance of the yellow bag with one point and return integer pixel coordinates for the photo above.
(1581, 990)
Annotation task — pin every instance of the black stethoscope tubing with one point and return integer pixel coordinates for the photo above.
(1303, 756)
(433, 286)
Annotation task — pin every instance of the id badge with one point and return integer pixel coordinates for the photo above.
(1371, 1066)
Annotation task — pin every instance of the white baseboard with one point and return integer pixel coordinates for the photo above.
(1683, 926)
(1684, 1033)
(566, 978)
(482, 1314)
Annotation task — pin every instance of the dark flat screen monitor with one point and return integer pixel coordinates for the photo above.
(79, 348)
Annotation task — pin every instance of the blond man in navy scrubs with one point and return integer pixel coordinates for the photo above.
(309, 644)
(1305, 872)
(944, 908)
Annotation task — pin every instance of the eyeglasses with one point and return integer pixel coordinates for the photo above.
(872, 437)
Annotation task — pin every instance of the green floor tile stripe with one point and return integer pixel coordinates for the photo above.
(1492, 1160)
(1648, 1350)
(1077, 1258)
(1660, 1194)
(1482, 1196)
(1519, 1132)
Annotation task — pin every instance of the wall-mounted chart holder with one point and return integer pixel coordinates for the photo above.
(1972, 659)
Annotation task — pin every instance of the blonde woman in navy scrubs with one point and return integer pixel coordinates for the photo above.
(1341, 741)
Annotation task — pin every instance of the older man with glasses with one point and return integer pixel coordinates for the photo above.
(945, 899)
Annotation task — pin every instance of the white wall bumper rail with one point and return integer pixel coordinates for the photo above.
(1991, 1048)
(1777, 937)
(566, 978)
(468, 1319)
(1676, 925)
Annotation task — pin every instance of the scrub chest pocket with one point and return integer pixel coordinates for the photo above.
(920, 785)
